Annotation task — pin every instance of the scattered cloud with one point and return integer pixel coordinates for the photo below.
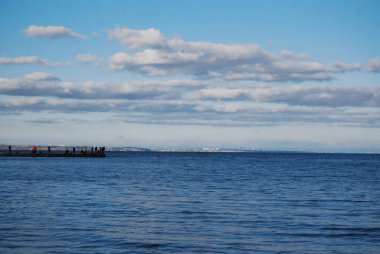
(213, 84)
(150, 52)
(52, 32)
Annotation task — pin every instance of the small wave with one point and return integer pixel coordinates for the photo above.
(151, 245)
(341, 232)
(352, 229)
(187, 212)
(313, 235)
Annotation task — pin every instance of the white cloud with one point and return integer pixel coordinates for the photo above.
(373, 65)
(88, 58)
(138, 38)
(29, 60)
(197, 113)
(192, 90)
(52, 32)
(22, 60)
(154, 54)
(41, 76)
(195, 101)
(297, 95)
(31, 85)
(291, 55)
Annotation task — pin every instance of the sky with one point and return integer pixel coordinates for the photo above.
(264, 75)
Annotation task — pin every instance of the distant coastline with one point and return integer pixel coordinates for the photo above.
(4, 147)
(57, 148)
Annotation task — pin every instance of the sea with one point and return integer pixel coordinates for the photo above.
(167, 202)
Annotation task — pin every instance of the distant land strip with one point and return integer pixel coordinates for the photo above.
(5, 148)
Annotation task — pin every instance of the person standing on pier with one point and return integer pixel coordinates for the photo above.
(10, 149)
(49, 148)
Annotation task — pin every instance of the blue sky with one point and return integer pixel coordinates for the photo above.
(278, 75)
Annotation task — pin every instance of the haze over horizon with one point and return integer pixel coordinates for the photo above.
(273, 75)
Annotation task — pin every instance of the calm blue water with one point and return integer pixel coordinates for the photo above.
(191, 203)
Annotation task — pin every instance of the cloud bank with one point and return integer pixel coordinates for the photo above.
(194, 101)
(48, 85)
(312, 95)
(152, 53)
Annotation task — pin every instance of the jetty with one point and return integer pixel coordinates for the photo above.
(41, 154)
(52, 151)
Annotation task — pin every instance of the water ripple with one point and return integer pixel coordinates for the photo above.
(191, 203)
